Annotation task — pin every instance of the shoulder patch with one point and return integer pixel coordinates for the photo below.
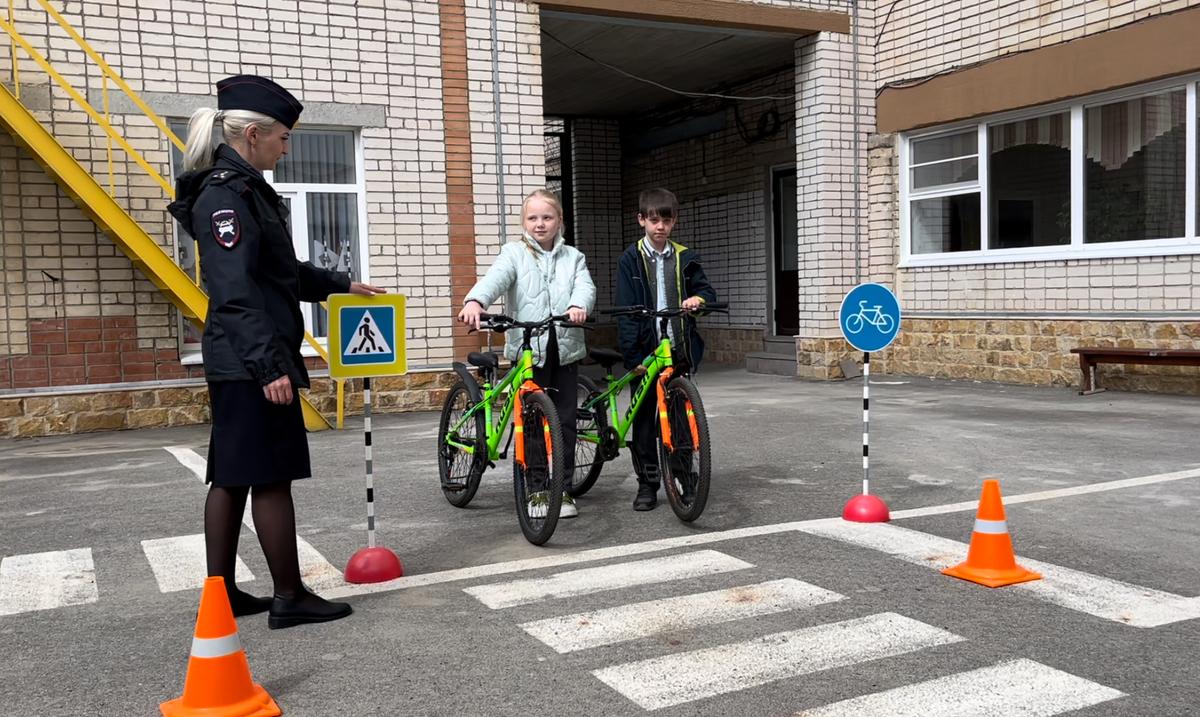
(226, 227)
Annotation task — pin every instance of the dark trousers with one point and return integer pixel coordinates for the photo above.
(645, 439)
(559, 382)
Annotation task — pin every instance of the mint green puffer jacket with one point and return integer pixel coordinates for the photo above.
(536, 283)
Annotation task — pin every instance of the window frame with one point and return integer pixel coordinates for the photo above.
(1078, 249)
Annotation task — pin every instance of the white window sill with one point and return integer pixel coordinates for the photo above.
(1123, 250)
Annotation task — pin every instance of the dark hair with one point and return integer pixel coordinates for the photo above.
(658, 202)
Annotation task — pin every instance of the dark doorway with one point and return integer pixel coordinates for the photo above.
(558, 170)
(787, 275)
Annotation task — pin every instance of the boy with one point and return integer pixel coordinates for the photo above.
(660, 274)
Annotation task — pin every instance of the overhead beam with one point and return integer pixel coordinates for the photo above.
(1163, 46)
(711, 13)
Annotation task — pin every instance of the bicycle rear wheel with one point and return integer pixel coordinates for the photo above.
(459, 470)
(686, 469)
(541, 479)
(590, 425)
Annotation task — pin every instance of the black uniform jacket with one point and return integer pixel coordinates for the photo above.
(255, 284)
(637, 338)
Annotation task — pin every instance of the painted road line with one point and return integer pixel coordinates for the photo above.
(179, 563)
(44, 581)
(675, 679)
(317, 572)
(631, 622)
(717, 536)
(1053, 494)
(1020, 687)
(1073, 589)
(608, 577)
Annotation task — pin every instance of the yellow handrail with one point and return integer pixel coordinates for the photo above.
(104, 67)
(87, 107)
(16, 69)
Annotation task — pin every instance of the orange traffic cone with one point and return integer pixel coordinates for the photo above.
(990, 560)
(218, 680)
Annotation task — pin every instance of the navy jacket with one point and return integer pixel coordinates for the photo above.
(636, 338)
(255, 284)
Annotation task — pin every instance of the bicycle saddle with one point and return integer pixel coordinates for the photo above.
(606, 357)
(483, 360)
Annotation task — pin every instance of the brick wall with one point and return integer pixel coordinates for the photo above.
(385, 56)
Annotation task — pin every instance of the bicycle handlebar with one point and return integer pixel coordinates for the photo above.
(646, 312)
(501, 323)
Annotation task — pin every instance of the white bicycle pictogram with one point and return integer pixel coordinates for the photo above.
(873, 316)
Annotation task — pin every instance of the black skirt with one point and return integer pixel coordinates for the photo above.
(254, 441)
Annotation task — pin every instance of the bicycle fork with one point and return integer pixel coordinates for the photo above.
(664, 421)
(519, 427)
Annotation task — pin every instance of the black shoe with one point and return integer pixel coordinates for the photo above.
(647, 497)
(689, 482)
(305, 608)
(243, 603)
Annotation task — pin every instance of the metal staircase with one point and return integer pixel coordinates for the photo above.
(92, 198)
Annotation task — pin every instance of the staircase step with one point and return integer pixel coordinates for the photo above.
(771, 363)
(785, 345)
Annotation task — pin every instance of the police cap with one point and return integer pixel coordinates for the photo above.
(258, 94)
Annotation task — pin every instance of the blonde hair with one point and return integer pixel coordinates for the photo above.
(200, 145)
(546, 196)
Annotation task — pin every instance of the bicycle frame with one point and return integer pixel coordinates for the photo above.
(660, 368)
(520, 377)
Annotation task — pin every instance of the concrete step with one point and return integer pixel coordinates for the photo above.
(785, 345)
(771, 363)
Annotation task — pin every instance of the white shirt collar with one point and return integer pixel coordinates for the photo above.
(651, 251)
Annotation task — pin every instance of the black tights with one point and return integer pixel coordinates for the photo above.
(275, 523)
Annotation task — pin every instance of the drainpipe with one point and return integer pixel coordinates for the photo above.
(500, 209)
(858, 228)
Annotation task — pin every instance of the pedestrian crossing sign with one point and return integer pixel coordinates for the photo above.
(366, 335)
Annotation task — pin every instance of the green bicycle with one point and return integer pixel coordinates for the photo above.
(684, 450)
(473, 422)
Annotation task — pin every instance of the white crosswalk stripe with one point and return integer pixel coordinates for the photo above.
(179, 563)
(608, 577)
(1103, 597)
(1020, 688)
(631, 622)
(738, 666)
(44, 581)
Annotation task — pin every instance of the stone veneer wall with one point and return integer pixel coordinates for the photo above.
(184, 405)
(1022, 351)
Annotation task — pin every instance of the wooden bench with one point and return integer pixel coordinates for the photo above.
(1089, 356)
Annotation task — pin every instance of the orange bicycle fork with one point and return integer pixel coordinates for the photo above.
(664, 421)
(519, 426)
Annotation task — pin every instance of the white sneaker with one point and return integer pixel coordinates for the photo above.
(569, 509)
(539, 505)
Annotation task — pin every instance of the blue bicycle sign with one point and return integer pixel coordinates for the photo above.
(870, 317)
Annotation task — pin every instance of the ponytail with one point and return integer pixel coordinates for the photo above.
(199, 151)
(233, 124)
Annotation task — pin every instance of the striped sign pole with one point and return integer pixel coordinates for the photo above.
(870, 319)
(866, 421)
(370, 466)
(372, 564)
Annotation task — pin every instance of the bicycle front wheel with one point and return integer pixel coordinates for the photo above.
(590, 425)
(686, 467)
(854, 324)
(459, 470)
(538, 486)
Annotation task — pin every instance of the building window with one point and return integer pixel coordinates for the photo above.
(557, 137)
(1102, 176)
(1136, 161)
(321, 182)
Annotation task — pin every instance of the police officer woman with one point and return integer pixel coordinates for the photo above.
(252, 337)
